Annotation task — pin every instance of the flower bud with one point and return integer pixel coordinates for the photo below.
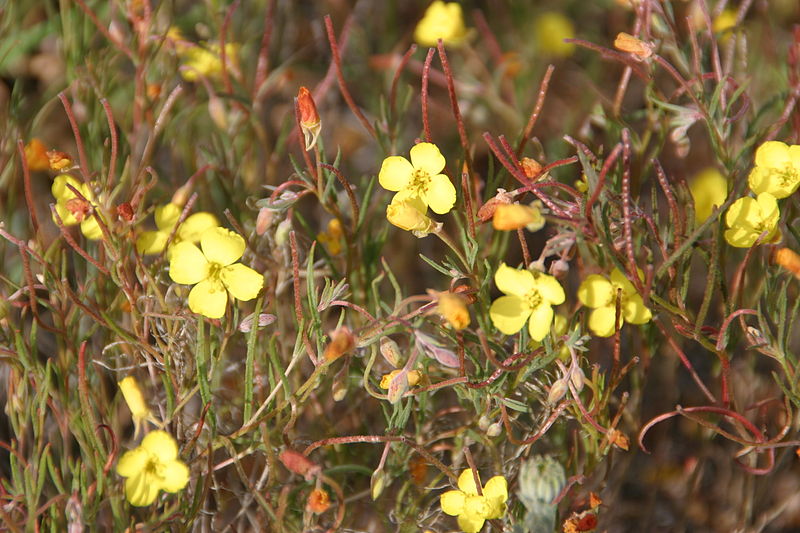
(318, 501)
(310, 122)
(628, 43)
(377, 483)
(282, 232)
(263, 220)
(407, 216)
(58, 160)
(494, 429)
(577, 377)
(557, 391)
(135, 400)
(390, 351)
(516, 216)
(454, 310)
(298, 463)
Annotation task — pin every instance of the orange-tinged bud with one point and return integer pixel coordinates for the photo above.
(453, 308)
(342, 341)
(36, 155)
(530, 167)
(318, 501)
(310, 122)
(629, 43)
(58, 160)
(618, 439)
(125, 211)
(488, 209)
(788, 260)
(298, 463)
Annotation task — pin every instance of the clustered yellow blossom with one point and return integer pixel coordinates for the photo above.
(471, 508)
(152, 467)
(600, 294)
(441, 21)
(71, 209)
(166, 217)
(529, 298)
(213, 270)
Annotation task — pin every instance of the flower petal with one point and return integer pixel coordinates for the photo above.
(514, 282)
(441, 195)
(466, 482)
(161, 444)
(496, 489)
(595, 291)
(540, 322)
(91, 229)
(768, 206)
(452, 502)
(601, 321)
(176, 476)
(743, 211)
(167, 216)
(132, 462)
(395, 173)
(140, 489)
(209, 298)
(741, 237)
(427, 157)
(151, 242)
(549, 287)
(619, 279)
(59, 189)
(195, 225)
(773, 154)
(187, 264)
(243, 282)
(634, 310)
(470, 524)
(222, 246)
(509, 313)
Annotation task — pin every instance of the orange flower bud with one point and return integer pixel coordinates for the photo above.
(486, 211)
(58, 160)
(125, 211)
(629, 43)
(310, 122)
(516, 216)
(788, 260)
(36, 155)
(342, 341)
(530, 167)
(298, 463)
(318, 501)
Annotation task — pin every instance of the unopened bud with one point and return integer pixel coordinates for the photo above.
(282, 232)
(342, 341)
(577, 378)
(298, 463)
(530, 167)
(217, 111)
(559, 268)
(390, 351)
(628, 43)
(557, 391)
(484, 422)
(310, 122)
(494, 429)
(377, 483)
(263, 220)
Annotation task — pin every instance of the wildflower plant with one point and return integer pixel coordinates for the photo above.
(228, 211)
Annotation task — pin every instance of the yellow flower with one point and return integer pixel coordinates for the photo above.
(206, 61)
(419, 179)
(214, 269)
(332, 237)
(724, 21)
(777, 169)
(453, 309)
(709, 189)
(529, 297)
(152, 467)
(550, 29)
(470, 508)
(516, 216)
(749, 217)
(413, 378)
(441, 21)
(600, 294)
(166, 216)
(71, 209)
(133, 397)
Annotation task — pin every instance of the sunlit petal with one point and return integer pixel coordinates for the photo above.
(441, 196)
(514, 282)
(395, 173)
(209, 298)
(243, 282)
(509, 314)
(222, 246)
(187, 264)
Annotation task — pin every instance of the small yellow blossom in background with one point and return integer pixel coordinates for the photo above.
(73, 210)
(135, 400)
(453, 309)
(529, 298)
(724, 21)
(777, 169)
(600, 294)
(709, 189)
(441, 21)
(206, 61)
(515, 216)
(471, 509)
(550, 30)
(214, 270)
(152, 467)
(36, 156)
(788, 259)
(413, 378)
(419, 179)
(166, 216)
(749, 217)
(332, 237)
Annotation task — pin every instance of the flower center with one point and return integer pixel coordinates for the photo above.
(788, 175)
(533, 299)
(154, 468)
(419, 182)
(214, 271)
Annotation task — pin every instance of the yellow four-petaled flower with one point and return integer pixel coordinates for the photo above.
(441, 21)
(72, 209)
(152, 467)
(777, 169)
(601, 294)
(750, 218)
(472, 509)
(529, 298)
(215, 271)
(420, 179)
